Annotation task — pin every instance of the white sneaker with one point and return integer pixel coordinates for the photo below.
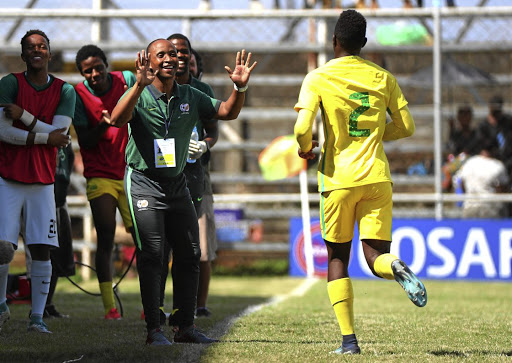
(38, 327)
(4, 316)
(204, 5)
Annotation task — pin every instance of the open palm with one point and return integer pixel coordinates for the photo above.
(240, 75)
(145, 74)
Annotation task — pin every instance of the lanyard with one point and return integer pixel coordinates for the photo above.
(167, 121)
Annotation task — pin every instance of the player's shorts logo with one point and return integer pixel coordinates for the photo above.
(142, 204)
(52, 231)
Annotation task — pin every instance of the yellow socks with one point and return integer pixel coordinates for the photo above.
(107, 295)
(342, 300)
(382, 266)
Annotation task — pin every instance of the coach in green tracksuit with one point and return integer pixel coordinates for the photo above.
(162, 115)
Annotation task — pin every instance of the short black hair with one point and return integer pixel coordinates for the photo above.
(496, 100)
(488, 144)
(32, 32)
(199, 61)
(182, 37)
(89, 50)
(465, 108)
(151, 43)
(350, 31)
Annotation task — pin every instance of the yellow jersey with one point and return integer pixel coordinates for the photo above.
(353, 95)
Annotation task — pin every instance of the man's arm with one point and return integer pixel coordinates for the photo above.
(87, 136)
(211, 136)
(122, 113)
(14, 112)
(16, 136)
(230, 109)
(303, 131)
(401, 125)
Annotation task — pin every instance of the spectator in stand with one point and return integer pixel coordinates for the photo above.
(449, 169)
(462, 143)
(481, 175)
(497, 125)
(102, 148)
(463, 137)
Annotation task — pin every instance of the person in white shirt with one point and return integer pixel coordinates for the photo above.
(481, 175)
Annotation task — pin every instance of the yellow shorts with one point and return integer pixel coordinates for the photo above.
(96, 187)
(370, 205)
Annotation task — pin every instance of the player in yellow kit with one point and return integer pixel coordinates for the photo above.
(354, 180)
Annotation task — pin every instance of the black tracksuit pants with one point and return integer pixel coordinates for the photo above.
(194, 175)
(163, 213)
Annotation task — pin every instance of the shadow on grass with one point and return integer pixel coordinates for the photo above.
(455, 353)
(87, 334)
(273, 341)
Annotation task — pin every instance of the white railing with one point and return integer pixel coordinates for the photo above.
(321, 45)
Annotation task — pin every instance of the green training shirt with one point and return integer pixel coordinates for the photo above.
(153, 118)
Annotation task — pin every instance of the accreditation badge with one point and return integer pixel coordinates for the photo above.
(165, 153)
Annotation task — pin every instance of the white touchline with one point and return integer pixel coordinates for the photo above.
(298, 291)
(220, 329)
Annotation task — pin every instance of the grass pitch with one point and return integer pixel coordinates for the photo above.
(469, 321)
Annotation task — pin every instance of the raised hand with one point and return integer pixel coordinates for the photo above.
(240, 75)
(58, 139)
(145, 74)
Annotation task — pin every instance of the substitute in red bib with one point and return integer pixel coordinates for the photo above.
(35, 115)
(102, 148)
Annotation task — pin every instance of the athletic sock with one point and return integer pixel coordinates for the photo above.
(107, 296)
(4, 273)
(40, 285)
(349, 340)
(341, 295)
(382, 266)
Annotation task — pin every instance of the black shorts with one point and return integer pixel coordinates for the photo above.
(160, 208)
(63, 261)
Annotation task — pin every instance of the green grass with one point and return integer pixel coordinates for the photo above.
(470, 321)
(462, 321)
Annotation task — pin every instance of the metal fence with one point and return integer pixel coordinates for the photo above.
(283, 41)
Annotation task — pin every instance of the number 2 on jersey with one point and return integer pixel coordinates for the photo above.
(354, 115)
